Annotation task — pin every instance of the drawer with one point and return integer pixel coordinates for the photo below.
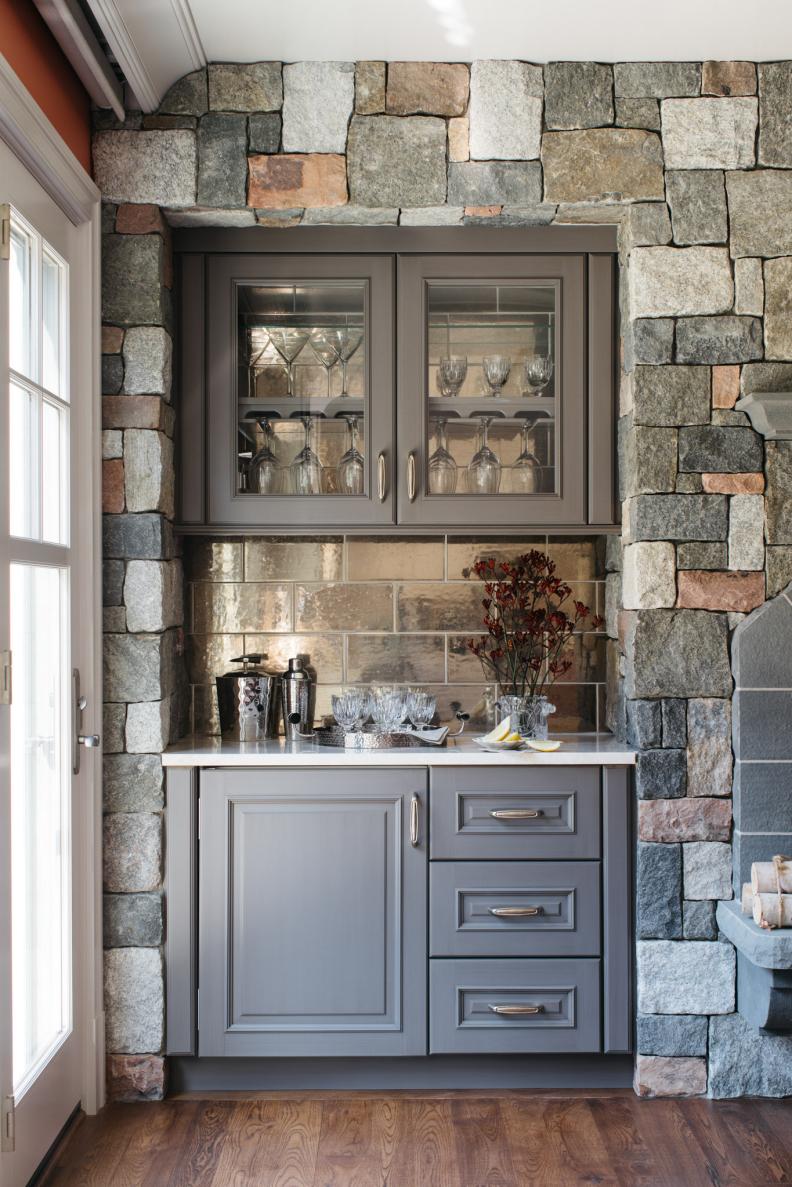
(514, 908)
(491, 814)
(488, 1007)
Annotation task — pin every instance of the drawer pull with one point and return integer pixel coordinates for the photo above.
(415, 805)
(514, 912)
(516, 1011)
(515, 813)
(381, 477)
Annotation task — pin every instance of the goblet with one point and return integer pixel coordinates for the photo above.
(484, 468)
(306, 469)
(387, 708)
(442, 467)
(526, 471)
(324, 349)
(537, 373)
(451, 374)
(421, 707)
(352, 466)
(349, 707)
(496, 371)
(289, 342)
(264, 468)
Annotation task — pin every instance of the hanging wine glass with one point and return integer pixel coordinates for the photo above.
(325, 350)
(484, 468)
(526, 471)
(351, 468)
(288, 343)
(537, 373)
(306, 469)
(442, 467)
(264, 468)
(346, 342)
(496, 369)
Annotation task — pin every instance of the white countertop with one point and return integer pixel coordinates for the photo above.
(576, 750)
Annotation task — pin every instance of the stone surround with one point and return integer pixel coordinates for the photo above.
(694, 163)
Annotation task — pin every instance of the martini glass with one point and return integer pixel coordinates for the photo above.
(351, 468)
(346, 342)
(526, 471)
(288, 343)
(484, 468)
(442, 467)
(325, 350)
(256, 350)
(264, 466)
(306, 469)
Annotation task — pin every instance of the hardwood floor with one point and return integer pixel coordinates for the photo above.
(465, 1139)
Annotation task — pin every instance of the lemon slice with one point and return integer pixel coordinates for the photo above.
(545, 747)
(501, 731)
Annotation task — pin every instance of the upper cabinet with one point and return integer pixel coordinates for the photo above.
(357, 389)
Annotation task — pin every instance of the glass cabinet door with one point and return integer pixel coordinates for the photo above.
(300, 390)
(492, 390)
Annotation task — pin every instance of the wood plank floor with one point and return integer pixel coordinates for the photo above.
(441, 1139)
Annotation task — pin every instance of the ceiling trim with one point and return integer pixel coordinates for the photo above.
(75, 37)
(189, 31)
(121, 43)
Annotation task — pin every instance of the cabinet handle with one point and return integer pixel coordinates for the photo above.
(411, 477)
(415, 804)
(381, 477)
(516, 1010)
(514, 912)
(515, 813)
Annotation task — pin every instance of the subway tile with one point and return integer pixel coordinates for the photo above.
(467, 698)
(213, 560)
(463, 552)
(435, 606)
(463, 666)
(321, 654)
(576, 708)
(344, 607)
(296, 559)
(224, 608)
(587, 653)
(205, 716)
(385, 558)
(210, 655)
(401, 659)
(579, 559)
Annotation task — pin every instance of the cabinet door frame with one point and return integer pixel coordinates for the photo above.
(225, 505)
(569, 505)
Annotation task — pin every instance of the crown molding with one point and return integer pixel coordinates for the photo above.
(76, 38)
(189, 31)
(129, 59)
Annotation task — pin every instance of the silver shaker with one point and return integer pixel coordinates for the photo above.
(297, 696)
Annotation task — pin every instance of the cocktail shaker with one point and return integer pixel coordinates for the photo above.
(297, 698)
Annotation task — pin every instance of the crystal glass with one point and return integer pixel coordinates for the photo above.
(264, 468)
(258, 341)
(345, 341)
(352, 466)
(526, 471)
(388, 708)
(289, 342)
(496, 371)
(451, 374)
(421, 707)
(528, 714)
(350, 707)
(442, 467)
(324, 348)
(306, 469)
(484, 468)
(537, 371)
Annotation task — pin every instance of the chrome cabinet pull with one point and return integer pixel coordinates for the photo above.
(516, 1010)
(411, 477)
(514, 912)
(515, 813)
(415, 804)
(381, 477)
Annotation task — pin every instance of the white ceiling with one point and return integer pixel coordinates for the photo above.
(157, 41)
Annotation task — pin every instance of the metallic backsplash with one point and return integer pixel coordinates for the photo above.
(374, 610)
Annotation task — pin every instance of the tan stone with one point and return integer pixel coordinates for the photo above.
(459, 139)
(702, 589)
(135, 1077)
(427, 88)
(725, 386)
(603, 165)
(277, 218)
(733, 484)
(778, 308)
(482, 211)
(369, 88)
(728, 78)
(113, 486)
(112, 339)
(137, 412)
(661, 1075)
(290, 180)
(139, 219)
(700, 819)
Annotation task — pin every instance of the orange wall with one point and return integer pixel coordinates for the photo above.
(36, 58)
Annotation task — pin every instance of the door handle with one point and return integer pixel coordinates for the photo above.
(412, 482)
(381, 477)
(514, 912)
(79, 704)
(415, 805)
(514, 1011)
(515, 813)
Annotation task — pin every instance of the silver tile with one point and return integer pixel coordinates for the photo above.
(344, 607)
(386, 558)
(300, 559)
(225, 608)
(464, 552)
(402, 659)
(436, 606)
(210, 655)
(213, 560)
(323, 654)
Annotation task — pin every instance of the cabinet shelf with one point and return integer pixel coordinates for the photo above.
(293, 407)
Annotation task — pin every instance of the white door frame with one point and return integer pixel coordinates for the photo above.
(34, 140)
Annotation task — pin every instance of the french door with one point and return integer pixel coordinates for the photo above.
(46, 632)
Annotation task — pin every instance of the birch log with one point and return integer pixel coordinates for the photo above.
(768, 877)
(773, 910)
(747, 899)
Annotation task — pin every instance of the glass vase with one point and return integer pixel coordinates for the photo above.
(528, 714)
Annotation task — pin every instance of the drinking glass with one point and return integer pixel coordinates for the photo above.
(421, 707)
(351, 467)
(345, 342)
(256, 351)
(306, 469)
(264, 467)
(324, 349)
(288, 343)
(442, 467)
(496, 371)
(451, 374)
(387, 708)
(349, 707)
(526, 471)
(484, 468)
(537, 373)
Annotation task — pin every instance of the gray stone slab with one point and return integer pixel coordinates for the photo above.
(696, 977)
(658, 891)
(132, 920)
(112, 374)
(765, 377)
(145, 536)
(768, 949)
(651, 340)
(678, 517)
(139, 667)
(760, 212)
(671, 395)
(775, 102)
(647, 459)
(578, 95)
(761, 724)
(763, 797)
(112, 582)
(778, 561)
(396, 161)
(156, 167)
(644, 724)
(187, 96)
(678, 653)
(134, 1000)
(317, 105)
(352, 215)
(778, 497)
(505, 110)
(132, 280)
(222, 160)
(249, 86)
(514, 216)
(660, 80)
(697, 198)
(113, 724)
(501, 183)
(706, 867)
(674, 1035)
(637, 113)
(132, 852)
(712, 449)
(751, 847)
(674, 714)
(744, 1061)
(698, 921)
(661, 774)
(690, 484)
(709, 751)
(264, 132)
(718, 340)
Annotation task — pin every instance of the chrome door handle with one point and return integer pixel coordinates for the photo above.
(415, 804)
(89, 741)
(514, 912)
(411, 477)
(515, 813)
(381, 477)
(514, 1011)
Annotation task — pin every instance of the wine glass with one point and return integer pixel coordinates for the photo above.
(496, 371)
(264, 467)
(537, 373)
(345, 341)
(526, 471)
(442, 467)
(387, 708)
(289, 342)
(421, 706)
(261, 337)
(324, 348)
(451, 374)
(351, 467)
(306, 469)
(484, 468)
(349, 707)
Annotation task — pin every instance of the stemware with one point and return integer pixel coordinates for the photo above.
(289, 342)
(537, 372)
(387, 708)
(484, 468)
(496, 371)
(324, 348)
(253, 362)
(451, 374)
(306, 469)
(350, 707)
(526, 471)
(421, 707)
(345, 342)
(264, 467)
(351, 467)
(442, 467)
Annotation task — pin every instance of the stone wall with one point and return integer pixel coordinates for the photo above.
(694, 163)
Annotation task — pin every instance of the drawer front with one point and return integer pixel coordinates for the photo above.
(516, 908)
(491, 814)
(489, 1007)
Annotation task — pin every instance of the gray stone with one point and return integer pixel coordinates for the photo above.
(109, 211)
(603, 165)
(133, 783)
(672, 1034)
(169, 123)
(113, 722)
(716, 340)
(138, 667)
(750, 847)
(680, 281)
(647, 224)
(779, 569)
(209, 216)
(112, 374)
(153, 595)
(132, 852)
(760, 212)
(707, 869)
(578, 95)
(317, 105)
(612, 603)
(369, 88)
(658, 892)
(132, 920)
(758, 659)
(775, 102)
(656, 79)
(255, 86)
(671, 395)
(778, 308)
(678, 654)
(613, 553)
(746, 532)
(113, 621)
(697, 198)
(749, 293)
(188, 96)
(431, 216)
(649, 574)
(148, 726)
(690, 978)
(711, 449)
(352, 215)
(689, 484)
(264, 132)
(514, 216)
(678, 517)
(709, 133)
(505, 110)
(768, 948)
(744, 1061)
(778, 499)
(157, 167)
(397, 161)
(144, 536)
(134, 1000)
(652, 340)
(674, 713)
(222, 160)
(132, 279)
(765, 377)
(112, 582)
(148, 471)
(644, 724)
(148, 353)
(647, 460)
(637, 113)
(728, 418)
(761, 726)
(661, 775)
(501, 183)
(698, 919)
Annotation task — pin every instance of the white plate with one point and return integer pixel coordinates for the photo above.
(495, 747)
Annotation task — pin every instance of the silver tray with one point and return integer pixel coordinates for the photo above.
(335, 736)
